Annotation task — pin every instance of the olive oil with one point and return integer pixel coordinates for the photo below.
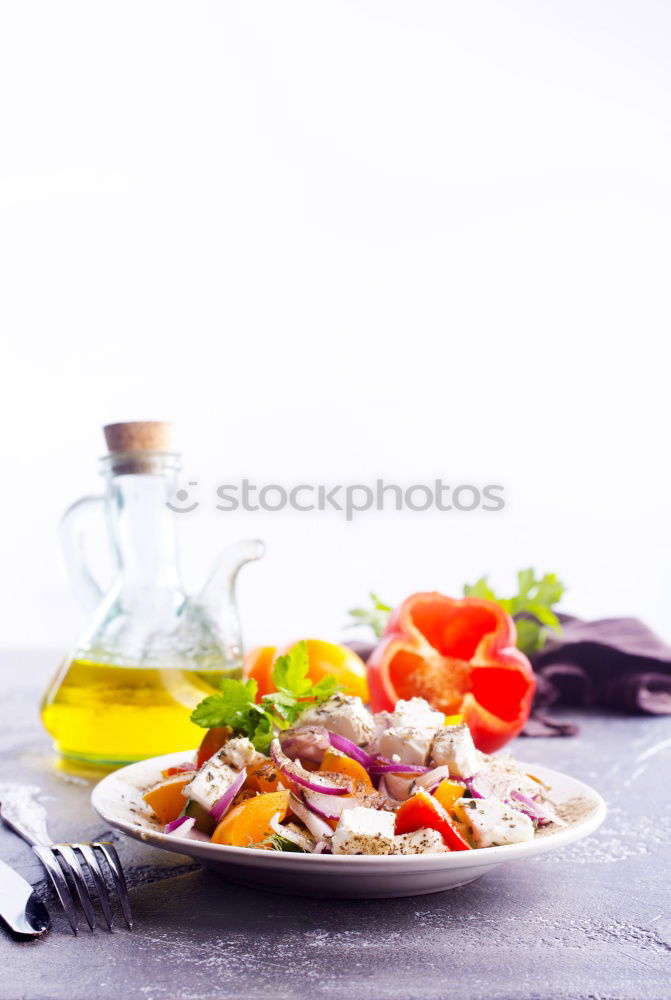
(109, 714)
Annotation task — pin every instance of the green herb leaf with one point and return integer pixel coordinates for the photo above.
(290, 672)
(375, 618)
(480, 589)
(283, 707)
(525, 581)
(324, 688)
(230, 708)
(263, 734)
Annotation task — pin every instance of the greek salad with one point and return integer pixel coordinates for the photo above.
(333, 778)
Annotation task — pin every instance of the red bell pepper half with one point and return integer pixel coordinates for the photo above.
(461, 656)
(422, 811)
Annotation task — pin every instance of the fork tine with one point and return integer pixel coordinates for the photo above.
(55, 873)
(72, 861)
(112, 859)
(103, 894)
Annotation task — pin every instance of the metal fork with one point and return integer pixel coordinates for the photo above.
(27, 817)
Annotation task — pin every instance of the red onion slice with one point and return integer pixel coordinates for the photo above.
(182, 825)
(310, 743)
(387, 792)
(317, 827)
(544, 813)
(327, 806)
(303, 840)
(433, 778)
(299, 776)
(468, 782)
(402, 786)
(222, 805)
(398, 786)
(351, 750)
(380, 765)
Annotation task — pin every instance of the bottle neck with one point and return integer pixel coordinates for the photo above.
(143, 529)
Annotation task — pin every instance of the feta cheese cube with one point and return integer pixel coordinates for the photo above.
(406, 734)
(453, 745)
(343, 714)
(211, 782)
(406, 744)
(493, 823)
(364, 831)
(499, 776)
(382, 721)
(416, 712)
(424, 841)
(239, 752)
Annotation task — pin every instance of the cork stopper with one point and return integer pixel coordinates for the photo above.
(139, 435)
(141, 447)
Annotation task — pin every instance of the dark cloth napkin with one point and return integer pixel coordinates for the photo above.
(615, 663)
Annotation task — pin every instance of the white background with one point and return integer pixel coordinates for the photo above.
(336, 241)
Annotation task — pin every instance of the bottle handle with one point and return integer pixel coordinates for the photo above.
(73, 542)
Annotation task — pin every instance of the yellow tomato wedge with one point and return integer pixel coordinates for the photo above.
(335, 762)
(166, 799)
(248, 824)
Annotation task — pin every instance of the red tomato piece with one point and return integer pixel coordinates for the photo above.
(184, 768)
(213, 740)
(422, 811)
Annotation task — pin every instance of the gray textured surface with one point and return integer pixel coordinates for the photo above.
(591, 921)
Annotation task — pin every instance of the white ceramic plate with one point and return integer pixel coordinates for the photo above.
(118, 800)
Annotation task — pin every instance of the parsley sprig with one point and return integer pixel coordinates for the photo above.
(375, 617)
(236, 706)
